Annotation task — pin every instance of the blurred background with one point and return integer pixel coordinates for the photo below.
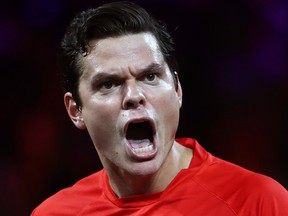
(234, 73)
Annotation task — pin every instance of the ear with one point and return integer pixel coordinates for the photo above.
(73, 111)
(179, 90)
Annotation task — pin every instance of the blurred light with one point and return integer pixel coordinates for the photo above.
(8, 34)
(278, 17)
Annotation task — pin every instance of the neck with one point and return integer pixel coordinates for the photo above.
(125, 184)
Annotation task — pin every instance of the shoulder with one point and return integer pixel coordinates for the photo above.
(216, 172)
(71, 200)
(242, 178)
(243, 190)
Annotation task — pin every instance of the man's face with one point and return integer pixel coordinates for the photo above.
(129, 103)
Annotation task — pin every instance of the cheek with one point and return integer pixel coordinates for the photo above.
(100, 108)
(169, 100)
(169, 96)
(168, 117)
(102, 130)
(100, 119)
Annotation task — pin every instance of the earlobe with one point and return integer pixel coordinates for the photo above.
(73, 111)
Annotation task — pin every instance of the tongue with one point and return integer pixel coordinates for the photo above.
(139, 143)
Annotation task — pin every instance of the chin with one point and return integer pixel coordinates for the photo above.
(144, 168)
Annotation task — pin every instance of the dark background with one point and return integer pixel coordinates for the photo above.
(233, 60)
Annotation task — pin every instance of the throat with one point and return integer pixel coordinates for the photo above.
(135, 185)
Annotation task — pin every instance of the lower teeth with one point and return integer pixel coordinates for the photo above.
(144, 149)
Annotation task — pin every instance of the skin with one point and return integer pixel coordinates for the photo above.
(126, 79)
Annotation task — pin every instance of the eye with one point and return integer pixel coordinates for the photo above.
(107, 85)
(151, 77)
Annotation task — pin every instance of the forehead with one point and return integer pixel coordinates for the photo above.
(131, 51)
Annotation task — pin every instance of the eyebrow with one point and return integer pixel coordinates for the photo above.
(154, 67)
(102, 75)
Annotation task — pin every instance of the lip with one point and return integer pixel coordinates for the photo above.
(147, 155)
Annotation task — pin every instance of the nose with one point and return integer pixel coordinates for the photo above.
(133, 96)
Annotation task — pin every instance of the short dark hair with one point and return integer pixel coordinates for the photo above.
(109, 20)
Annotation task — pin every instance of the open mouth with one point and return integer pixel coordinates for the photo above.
(140, 137)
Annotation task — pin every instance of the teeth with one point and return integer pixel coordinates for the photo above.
(144, 149)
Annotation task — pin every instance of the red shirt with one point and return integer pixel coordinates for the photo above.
(210, 186)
